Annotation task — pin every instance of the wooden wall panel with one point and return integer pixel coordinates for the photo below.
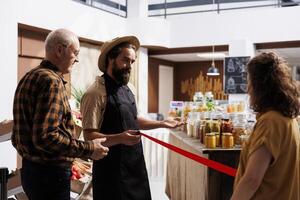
(32, 43)
(190, 70)
(32, 51)
(26, 64)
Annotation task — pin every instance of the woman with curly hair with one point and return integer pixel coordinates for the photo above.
(269, 165)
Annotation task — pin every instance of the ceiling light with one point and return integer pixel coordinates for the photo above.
(211, 55)
(212, 70)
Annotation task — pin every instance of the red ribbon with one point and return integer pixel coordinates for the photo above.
(209, 163)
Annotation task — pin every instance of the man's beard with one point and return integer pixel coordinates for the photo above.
(121, 75)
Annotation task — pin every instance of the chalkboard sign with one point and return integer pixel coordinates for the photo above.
(235, 72)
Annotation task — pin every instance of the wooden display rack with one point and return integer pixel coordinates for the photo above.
(81, 187)
(14, 186)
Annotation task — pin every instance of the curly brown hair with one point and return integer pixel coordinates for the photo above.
(270, 85)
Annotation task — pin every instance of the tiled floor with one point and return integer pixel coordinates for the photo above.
(158, 189)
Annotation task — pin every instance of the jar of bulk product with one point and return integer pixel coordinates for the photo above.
(190, 124)
(226, 126)
(241, 106)
(198, 97)
(215, 128)
(185, 111)
(206, 128)
(244, 139)
(210, 140)
(217, 138)
(250, 126)
(197, 127)
(238, 130)
(227, 141)
(202, 131)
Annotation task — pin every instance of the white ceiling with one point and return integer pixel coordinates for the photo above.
(292, 55)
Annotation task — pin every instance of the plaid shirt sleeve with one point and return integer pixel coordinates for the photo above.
(52, 117)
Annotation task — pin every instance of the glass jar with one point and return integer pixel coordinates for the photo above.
(190, 124)
(207, 126)
(227, 140)
(241, 106)
(185, 111)
(239, 128)
(210, 140)
(226, 126)
(217, 138)
(244, 139)
(202, 133)
(198, 97)
(215, 128)
(197, 127)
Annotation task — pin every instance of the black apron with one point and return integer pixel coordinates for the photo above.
(122, 174)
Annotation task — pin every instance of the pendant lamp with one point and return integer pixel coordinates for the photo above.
(212, 70)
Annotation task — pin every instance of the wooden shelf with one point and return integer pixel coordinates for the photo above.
(5, 130)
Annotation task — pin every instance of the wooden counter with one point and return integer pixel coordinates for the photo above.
(188, 180)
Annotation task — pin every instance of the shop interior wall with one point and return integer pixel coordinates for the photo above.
(191, 70)
(153, 82)
(31, 52)
(205, 29)
(182, 71)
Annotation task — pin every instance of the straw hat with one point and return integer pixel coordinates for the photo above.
(108, 45)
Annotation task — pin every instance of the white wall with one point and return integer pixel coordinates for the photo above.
(262, 25)
(165, 89)
(8, 73)
(257, 25)
(143, 81)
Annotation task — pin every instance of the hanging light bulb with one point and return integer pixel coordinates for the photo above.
(212, 70)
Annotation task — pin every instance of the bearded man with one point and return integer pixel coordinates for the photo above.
(109, 110)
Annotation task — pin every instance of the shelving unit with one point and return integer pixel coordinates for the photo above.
(12, 183)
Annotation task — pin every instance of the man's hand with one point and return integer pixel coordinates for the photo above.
(130, 137)
(172, 123)
(100, 150)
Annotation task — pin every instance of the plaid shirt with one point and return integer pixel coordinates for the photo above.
(43, 126)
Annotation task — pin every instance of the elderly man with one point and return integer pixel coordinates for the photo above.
(109, 110)
(43, 127)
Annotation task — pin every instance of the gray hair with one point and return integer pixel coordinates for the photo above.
(59, 36)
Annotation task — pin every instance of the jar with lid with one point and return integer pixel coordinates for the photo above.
(238, 130)
(244, 139)
(227, 141)
(226, 126)
(210, 140)
(239, 127)
(196, 131)
(198, 97)
(190, 124)
(206, 128)
(215, 128)
(250, 126)
(186, 109)
(202, 131)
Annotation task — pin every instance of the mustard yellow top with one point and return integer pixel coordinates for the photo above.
(281, 137)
